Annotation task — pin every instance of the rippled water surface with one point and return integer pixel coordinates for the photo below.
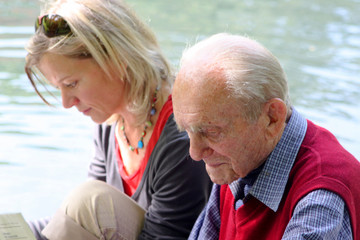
(44, 151)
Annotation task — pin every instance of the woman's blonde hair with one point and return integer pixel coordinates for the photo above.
(110, 33)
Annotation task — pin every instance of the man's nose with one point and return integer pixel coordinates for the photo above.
(68, 99)
(199, 148)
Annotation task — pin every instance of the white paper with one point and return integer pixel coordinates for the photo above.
(14, 227)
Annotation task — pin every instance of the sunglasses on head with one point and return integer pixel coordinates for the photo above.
(53, 25)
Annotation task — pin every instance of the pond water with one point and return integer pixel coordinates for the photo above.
(44, 151)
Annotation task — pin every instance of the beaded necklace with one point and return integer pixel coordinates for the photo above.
(148, 123)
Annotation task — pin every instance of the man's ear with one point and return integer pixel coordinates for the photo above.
(275, 113)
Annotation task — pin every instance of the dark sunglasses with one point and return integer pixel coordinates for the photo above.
(53, 25)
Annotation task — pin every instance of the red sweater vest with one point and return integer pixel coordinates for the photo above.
(321, 164)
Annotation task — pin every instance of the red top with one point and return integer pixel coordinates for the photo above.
(132, 181)
(321, 164)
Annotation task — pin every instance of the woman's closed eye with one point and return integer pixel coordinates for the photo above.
(71, 85)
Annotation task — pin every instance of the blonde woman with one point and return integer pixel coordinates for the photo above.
(108, 65)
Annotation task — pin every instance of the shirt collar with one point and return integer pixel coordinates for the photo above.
(241, 187)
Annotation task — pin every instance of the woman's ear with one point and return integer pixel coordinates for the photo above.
(276, 112)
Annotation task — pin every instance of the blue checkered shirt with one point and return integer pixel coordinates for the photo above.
(319, 215)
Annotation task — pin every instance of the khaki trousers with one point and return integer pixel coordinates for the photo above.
(96, 210)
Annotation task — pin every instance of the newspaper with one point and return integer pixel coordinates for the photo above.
(14, 227)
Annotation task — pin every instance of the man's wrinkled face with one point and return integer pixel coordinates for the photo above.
(230, 146)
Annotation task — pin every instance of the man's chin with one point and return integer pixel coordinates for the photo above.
(222, 179)
(221, 175)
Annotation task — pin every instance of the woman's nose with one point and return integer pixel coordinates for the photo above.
(68, 100)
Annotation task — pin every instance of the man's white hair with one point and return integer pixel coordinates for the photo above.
(252, 73)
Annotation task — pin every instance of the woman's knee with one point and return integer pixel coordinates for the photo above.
(87, 197)
(104, 210)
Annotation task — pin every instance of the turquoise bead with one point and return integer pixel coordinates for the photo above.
(140, 144)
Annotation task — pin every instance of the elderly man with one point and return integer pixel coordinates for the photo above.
(276, 174)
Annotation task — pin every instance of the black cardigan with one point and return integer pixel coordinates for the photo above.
(174, 188)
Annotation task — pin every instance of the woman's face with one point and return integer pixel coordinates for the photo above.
(85, 85)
